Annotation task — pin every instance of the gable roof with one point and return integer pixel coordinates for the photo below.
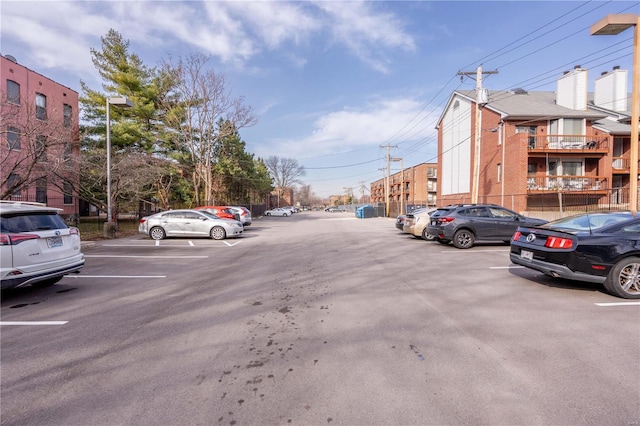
(515, 105)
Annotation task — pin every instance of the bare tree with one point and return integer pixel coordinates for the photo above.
(285, 172)
(35, 149)
(201, 103)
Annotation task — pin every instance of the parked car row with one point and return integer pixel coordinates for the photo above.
(599, 247)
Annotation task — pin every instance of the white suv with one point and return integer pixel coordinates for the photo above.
(36, 245)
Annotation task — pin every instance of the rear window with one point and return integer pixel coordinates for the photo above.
(586, 222)
(31, 222)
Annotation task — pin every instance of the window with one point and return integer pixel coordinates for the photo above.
(41, 190)
(13, 92)
(41, 148)
(13, 182)
(13, 138)
(499, 172)
(68, 150)
(531, 168)
(41, 106)
(66, 112)
(68, 190)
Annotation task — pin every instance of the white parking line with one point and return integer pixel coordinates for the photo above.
(152, 256)
(506, 267)
(33, 322)
(116, 276)
(191, 243)
(474, 251)
(618, 304)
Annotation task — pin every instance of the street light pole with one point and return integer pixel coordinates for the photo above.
(122, 102)
(611, 25)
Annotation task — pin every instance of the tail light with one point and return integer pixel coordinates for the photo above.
(143, 220)
(516, 236)
(13, 239)
(443, 220)
(558, 242)
(74, 231)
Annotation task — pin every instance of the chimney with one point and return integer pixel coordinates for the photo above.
(610, 90)
(572, 89)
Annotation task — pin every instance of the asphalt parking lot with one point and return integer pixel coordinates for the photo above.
(318, 318)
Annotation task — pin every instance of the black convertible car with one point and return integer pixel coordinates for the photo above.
(598, 247)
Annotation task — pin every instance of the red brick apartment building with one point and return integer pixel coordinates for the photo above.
(538, 150)
(413, 186)
(39, 149)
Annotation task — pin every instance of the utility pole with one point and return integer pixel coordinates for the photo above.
(481, 101)
(387, 183)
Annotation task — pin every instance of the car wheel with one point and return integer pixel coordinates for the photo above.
(284, 214)
(157, 233)
(218, 233)
(624, 279)
(442, 241)
(46, 283)
(463, 239)
(426, 236)
(268, 214)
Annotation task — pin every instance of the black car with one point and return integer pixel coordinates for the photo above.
(400, 221)
(463, 224)
(601, 248)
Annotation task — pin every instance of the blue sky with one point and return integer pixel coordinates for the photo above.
(332, 81)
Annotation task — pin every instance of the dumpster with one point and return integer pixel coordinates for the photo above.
(364, 212)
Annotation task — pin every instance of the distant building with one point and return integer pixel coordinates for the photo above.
(39, 150)
(415, 186)
(538, 150)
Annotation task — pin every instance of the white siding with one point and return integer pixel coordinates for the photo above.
(611, 91)
(456, 148)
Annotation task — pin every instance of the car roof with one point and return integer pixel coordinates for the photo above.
(7, 206)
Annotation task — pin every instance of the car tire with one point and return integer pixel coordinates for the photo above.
(46, 283)
(624, 279)
(284, 214)
(218, 233)
(267, 214)
(426, 236)
(442, 241)
(463, 239)
(157, 233)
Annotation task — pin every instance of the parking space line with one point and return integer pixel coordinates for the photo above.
(116, 276)
(151, 256)
(618, 304)
(33, 322)
(507, 267)
(191, 244)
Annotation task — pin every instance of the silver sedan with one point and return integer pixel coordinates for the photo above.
(189, 223)
(278, 212)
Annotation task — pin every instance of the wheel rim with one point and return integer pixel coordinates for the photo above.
(157, 233)
(217, 233)
(464, 239)
(629, 279)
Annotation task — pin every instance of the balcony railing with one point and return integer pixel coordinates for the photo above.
(560, 143)
(620, 164)
(566, 183)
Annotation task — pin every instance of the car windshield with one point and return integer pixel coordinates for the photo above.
(588, 221)
(209, 215)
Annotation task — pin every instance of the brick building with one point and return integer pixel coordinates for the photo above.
(39, 149)
(538, 149)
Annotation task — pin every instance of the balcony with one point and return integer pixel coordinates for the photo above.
(566, 183)
(561, 144)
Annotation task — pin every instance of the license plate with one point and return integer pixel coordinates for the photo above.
(526, 254)
(54, 242)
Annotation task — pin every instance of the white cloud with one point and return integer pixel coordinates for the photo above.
(350, 129)
(366, 33)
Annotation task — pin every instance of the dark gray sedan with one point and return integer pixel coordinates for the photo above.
(189, 223)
